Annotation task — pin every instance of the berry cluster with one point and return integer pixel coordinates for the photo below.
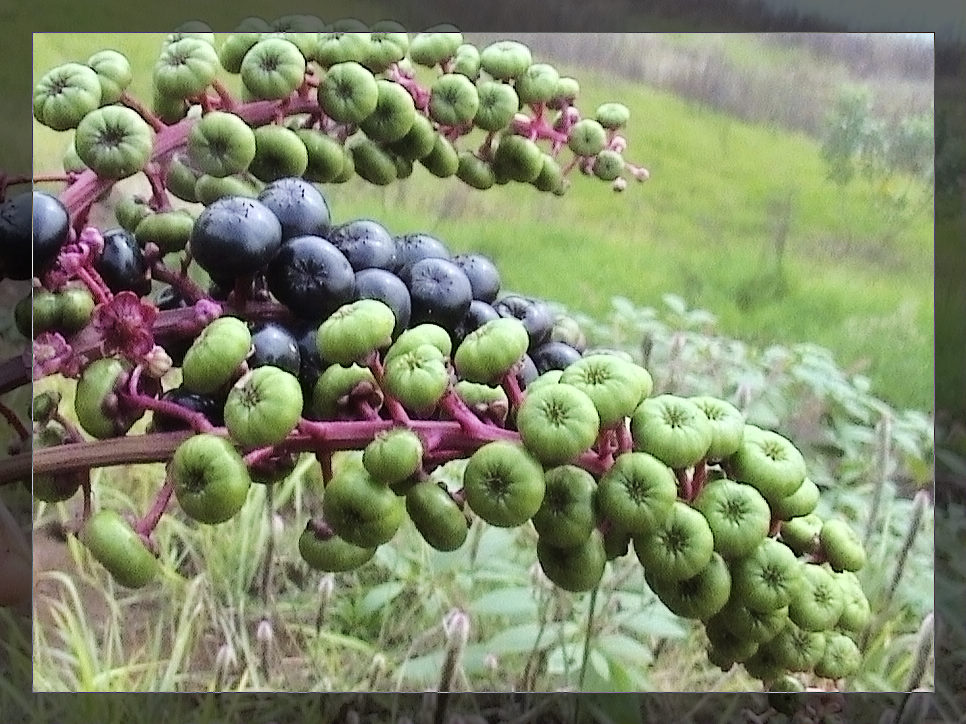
(393, 346)
(329, 103)
(309, 336)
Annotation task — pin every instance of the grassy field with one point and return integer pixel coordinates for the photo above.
(706, 226)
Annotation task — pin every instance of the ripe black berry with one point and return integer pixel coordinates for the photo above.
(274, 345)
(299, 206)
(122, 265)
(554, 356)
(482, 273)
(206, 405)
(37, 216)
(410, 248)
(365, 243)
(440, 292)
(235, 236)
(311, 277)
(389, 289)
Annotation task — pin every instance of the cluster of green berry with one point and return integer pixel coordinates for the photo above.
(329, 103)
(719, 512)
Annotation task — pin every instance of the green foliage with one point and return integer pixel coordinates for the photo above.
(893, 157)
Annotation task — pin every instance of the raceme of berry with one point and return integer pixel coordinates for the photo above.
(313, 335)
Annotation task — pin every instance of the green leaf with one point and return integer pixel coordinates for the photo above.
(380, 596)
(514, 602)
(654, 622)
(621, 647)
(425, 669)
(521, 639)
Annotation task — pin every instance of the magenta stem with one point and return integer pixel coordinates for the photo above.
(102, 295)
(228, 102)
(133, 103)
(699, 477)
(470, 423)
(197, 421)
(73, 434)
(159, 193)
(149, 522)
(511, 385)
(684, 485)
(187, 289)
(420, 95)
(396, 411)
(14, 421)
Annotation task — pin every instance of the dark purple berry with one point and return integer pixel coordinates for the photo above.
(34, 224)
(482, 273)
(527, 372)
(535, 315)
(121, 264)
(365, 243)
(205, 404)
(274, 345)
(389, 289)
(299, 206)
(235, 236)
(310, 362)
(410, 248)
(554, 356)
(439, 291)
(311, 277)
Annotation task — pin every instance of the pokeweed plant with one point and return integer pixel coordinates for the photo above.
(158, 324)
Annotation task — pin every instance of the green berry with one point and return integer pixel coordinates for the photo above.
(418, 378)
(263, 407)
(672, 429)
(210, 479)
(436, 515)
(115, 545)
(393, 455)
(637, 493)
(325, 551)
(361, 510)
(355, 330)
(568, 513)
(574, 568)
(215, 355)
(842, 546)
(557, 423)
(504, 484)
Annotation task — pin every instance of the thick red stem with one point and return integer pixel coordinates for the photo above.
(14, 421)
(149, 522)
